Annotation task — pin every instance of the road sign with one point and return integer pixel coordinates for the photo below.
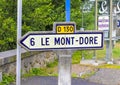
(64, 27)
(103, 23)
(51, 41)
(118, 23)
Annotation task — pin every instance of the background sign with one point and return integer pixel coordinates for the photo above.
(103, 23)
(118, 23)
(64, 27)
(52, 41)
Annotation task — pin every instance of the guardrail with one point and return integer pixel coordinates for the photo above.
(4, 58)
(10, 53)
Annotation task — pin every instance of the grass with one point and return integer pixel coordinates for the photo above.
(53, 64)
(110, 66)
(7, 79)
(87, 75)
(76, 57)
(41, 72)
(74, 75)
(100, 54)
(49, 70)
(116, 50)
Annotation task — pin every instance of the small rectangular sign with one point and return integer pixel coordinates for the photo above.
(118, 23)
(103, 23)
(53, 41)
(64, 27)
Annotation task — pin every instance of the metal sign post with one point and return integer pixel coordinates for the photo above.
(96, 11)
(64, 77)
(19, 25)
(110, 30)
(67, 10)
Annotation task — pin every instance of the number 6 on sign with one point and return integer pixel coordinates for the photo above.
(32, 43)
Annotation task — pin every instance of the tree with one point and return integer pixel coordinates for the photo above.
(7, 24)
(77, 14)
(37, 15)
(8, 34)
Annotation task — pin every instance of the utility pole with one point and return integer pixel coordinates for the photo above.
(19, 26)
(96, 11)
(110, 30)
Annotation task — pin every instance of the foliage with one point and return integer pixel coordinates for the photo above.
(110, 66)
(76, 57)
(87, 75)
(7, 24)
(53, 64)
(7, 79)
(49, 70)
(101, 54)
(8, 34)
(77, 15)
(37, 15)
(74, 75)
(36, 71)
(116, 50)
(79, 54)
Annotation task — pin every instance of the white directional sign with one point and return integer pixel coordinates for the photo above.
(52, 41)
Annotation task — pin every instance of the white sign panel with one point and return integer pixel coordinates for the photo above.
(82, 40)
(103, 23)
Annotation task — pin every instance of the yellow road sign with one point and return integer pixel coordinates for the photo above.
(64, 27)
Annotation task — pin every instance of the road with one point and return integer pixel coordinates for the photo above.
(53, 81)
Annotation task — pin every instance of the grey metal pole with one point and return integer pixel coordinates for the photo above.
(110, 30)
(82, 16)
(82, 29)
(96, 11)
(19, 25)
